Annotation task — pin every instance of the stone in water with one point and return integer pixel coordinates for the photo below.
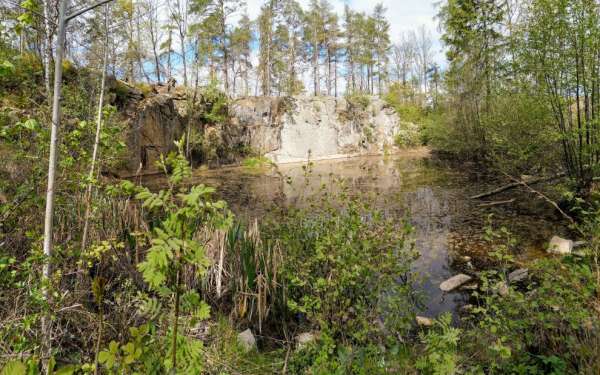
(454, 282)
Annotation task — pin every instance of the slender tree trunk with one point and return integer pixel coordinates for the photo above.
(329, 75)
(138, 52)
(224, 49)
(47, 50)
(154, 39)
(315, 58)
(88, 193)
(175, 319)
(184, 61)
(49, 214)
(169, 49)
(335, 77)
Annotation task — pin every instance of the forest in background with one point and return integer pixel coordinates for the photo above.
(145, 281)
(287, 50)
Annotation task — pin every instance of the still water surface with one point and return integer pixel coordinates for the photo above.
(431, 194)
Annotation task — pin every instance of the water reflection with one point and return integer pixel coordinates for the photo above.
(432, 195)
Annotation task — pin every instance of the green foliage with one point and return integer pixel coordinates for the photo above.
(214, 103)
(256, 162)
(414, 117)
(179, 214)
(406, 102)
(344, 265)
(358, 100)
(30, 367)
(441, 348)
(328, 356)
(136, 356)
(6, 68)
(536, 328)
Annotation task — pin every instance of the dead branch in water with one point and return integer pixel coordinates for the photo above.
(518, 183)
(543, 196)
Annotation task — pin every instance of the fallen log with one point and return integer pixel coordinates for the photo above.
(517, 184)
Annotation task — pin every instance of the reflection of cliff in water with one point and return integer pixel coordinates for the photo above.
(433, 196)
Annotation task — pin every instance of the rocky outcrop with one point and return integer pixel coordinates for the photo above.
(285, 129)
(246, 340)
(156, 125)
(298, 128)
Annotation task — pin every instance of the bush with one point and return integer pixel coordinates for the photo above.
(408, 135)
(347, 268)
(358, 100)
(441, 348)
(546, 326)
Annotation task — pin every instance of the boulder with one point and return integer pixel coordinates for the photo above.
(305, 338)
(424, 322)
(560, 246)
(454, 282)
(518, 275)
(247, 340)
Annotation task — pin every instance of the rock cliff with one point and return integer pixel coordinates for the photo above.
(284, 129)
(297, 128)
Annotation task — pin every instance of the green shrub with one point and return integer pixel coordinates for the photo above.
(347, 266)
(547, 326)
(440, 355)
(408, 135)
(358, 100)
(256, 162)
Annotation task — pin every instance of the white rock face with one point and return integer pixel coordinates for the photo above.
(560, 246)
(454, 282)
(297, 128)
(247, 340)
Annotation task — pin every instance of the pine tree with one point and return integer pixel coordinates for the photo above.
(381, 44)
(241, 39)
(265, 28)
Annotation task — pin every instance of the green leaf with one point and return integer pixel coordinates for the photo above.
(6, 68)
(203, 311)
(67, 370)
(14, 368)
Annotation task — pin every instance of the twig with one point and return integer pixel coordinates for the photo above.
(544, 197)
(70, 307)
(287, 356)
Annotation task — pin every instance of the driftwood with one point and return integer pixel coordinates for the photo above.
(517, 184)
